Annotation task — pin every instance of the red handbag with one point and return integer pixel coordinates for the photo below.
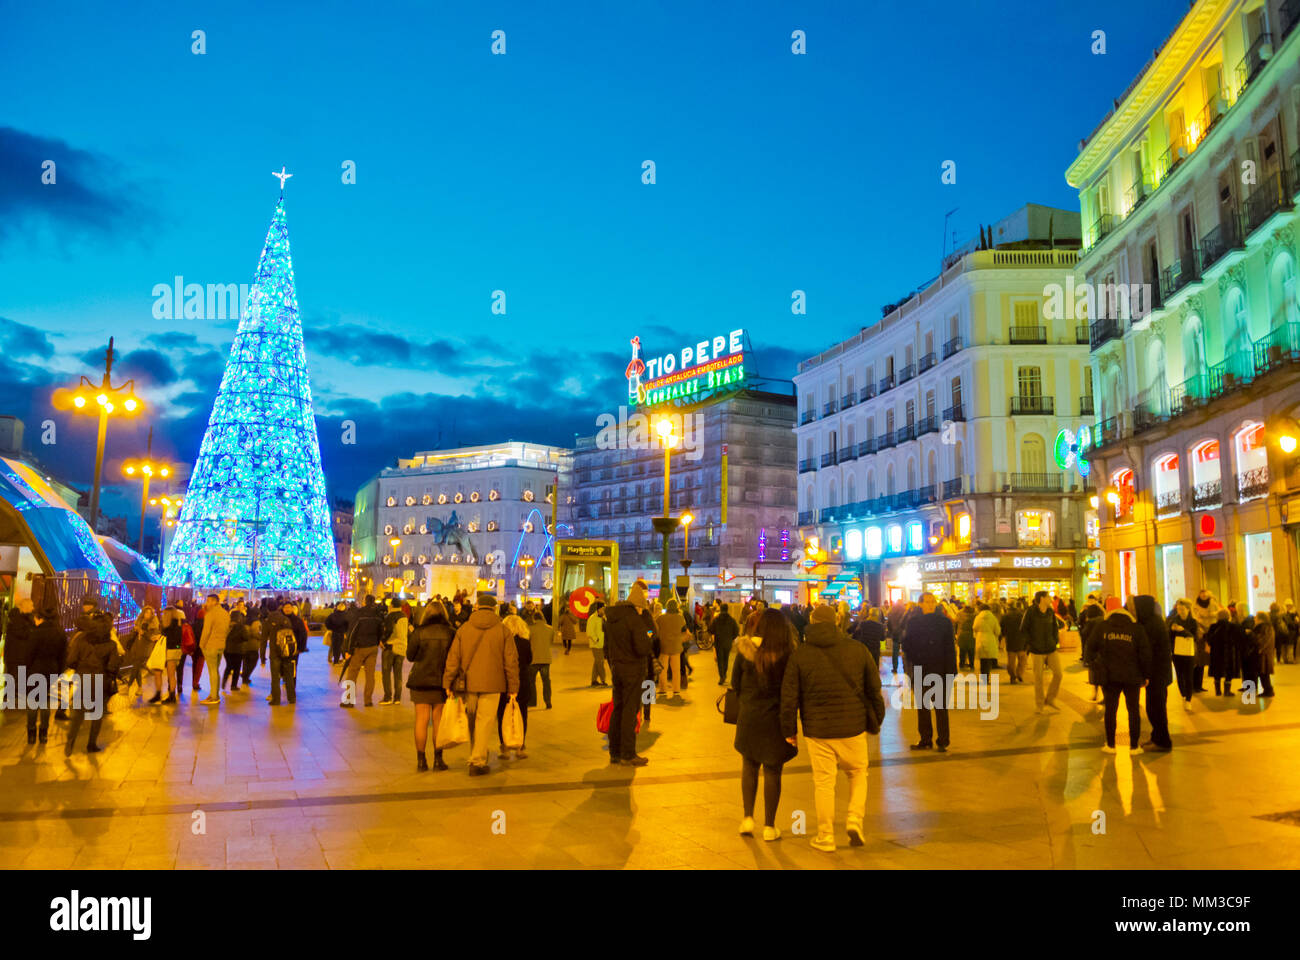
(605, 711)
(188, 646)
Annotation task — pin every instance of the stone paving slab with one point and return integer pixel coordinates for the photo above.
(317, 787)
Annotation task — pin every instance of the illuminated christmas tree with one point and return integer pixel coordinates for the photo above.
(256, 515)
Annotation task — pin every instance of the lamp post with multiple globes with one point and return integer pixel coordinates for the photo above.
(666, 525)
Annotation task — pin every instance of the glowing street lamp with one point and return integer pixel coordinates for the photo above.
(101, 400)
(686, 521)
(146, 470)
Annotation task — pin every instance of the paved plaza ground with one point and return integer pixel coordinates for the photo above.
(316, 786)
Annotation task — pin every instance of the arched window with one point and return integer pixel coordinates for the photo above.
(1157, 398)
(850, 490)
(810, 501)
(958, 463)
(1206, 472)
(1282, 292)
(832, 497)
(871, 484)
(1194, 365)
(1033, 454)
(1252, 461)
(1165, 484)
(911, 473)
(889, 481)
(932, 471)
(1236, 325)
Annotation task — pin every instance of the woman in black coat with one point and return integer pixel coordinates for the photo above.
(756, 677)
(426, 650)
(1225, 639)
(337, 624)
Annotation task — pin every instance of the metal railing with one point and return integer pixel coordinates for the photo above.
(848, 400)
(1028, 334)
(806, 517)
(952, 488)
(905, 433)
(1168, 502)
(807, 466)
(1255, 59)
(847, 453)
(951, 347)
(956, 413)
(886, 383)
(1081, 333)
(886, 440)
(928, 424)
(1102, 226)
(1252, 484)
(808, 417)
(1186, 269)
(828, 408)
(1039, 482)
(1108, 431)
(1208, 494)
(1032, 405)
(828, 459)
(1271, 196)
(930, 359)
(1216, 244)
(867, 447)
(866, 393)
(907, 373)
(1102, 331)
(1289, 14)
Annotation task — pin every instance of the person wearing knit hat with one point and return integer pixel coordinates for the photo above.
(822, 613)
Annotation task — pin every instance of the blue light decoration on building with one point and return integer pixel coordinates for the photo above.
(785, 546)
(762, 544)
(256, 514)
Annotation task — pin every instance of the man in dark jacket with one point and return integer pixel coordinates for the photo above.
(337, 624)
(281, 667)
(1122, 655)
(931, 650)
(92, 657)
(1091, 613)
(724, 630)
(363, 649)
(833, 685)
(37, 645)
(869, 630)
(1041, 634)
(627, 647)
(1161, 674)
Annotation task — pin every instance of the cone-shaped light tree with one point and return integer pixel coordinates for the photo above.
(256, 515)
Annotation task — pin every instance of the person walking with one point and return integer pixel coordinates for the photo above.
(426, 650)
(671, 627)
(568, 628)
(1015, 644)
(1205, 608)
(595, 637)
(36, 644)
(363, 649)
(139, 645)
(1183, 631)
(541, 638)
(930, 649)
(1123, 657)
(724, 629)
(212, 642)
(91, 656)
(518, 630)
(869, 630)
(1147, 613)
(337, 626)
(173, 629)
(966, 638)
(628, 642)
(832, 685)
(482, 664)
(986, 630)
(236, 643)
(1040, 630)
(1264, 661)
(757, 678)
(396, 630)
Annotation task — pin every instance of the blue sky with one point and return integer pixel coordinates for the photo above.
(521, 173)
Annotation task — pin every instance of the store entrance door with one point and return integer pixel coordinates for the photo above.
(1214, 577)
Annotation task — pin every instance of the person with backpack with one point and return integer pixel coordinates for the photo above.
(482, 664)
(363, 649)
(282, 646)
(427, 649)
(395, 631)
(94, 659)
(832, 685)
(869, 630)
(757, 678)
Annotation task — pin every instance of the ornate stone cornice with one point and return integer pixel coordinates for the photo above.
(1282, 237)
(1232, 277)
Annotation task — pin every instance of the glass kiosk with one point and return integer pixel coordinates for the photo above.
(585, 563)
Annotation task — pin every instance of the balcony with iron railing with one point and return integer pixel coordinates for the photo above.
(807, 466)
(1169, 503)
(1035, 482)
(806, 518)
(1260, 52)
(1109, 431)
(847, 453)
(1252, 484)
(956, 413)
(1272, 196)
(867, 447)
(1028, 334)
(930, 359)
(886, 383)
(1108, 328)
(1137, 194)
(886, 440)
(1208, 494)
(1278, 348)
(905, 433)
(952, 488)
(928, 424)
(866, 393)
(1021, 404)
(828, 459)
(808, 417)
(1147, 415)
(828, 408)
(1222, 240)
(907, 373)
(951, 347)
(1101, 227)
(1173, 156)
(848, 400)
(1183, 271)
(1081, 333)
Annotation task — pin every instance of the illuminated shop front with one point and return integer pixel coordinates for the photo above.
(998, 575)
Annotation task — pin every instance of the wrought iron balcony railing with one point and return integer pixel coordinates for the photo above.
(1032, 405)
(1208, 494)
(1028, 334)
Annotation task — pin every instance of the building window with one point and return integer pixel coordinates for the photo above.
(1035, 528)
(1030, 381)
(1252, 462)
(1165, 484)
(1033, 456)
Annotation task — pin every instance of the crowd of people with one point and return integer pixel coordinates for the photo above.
(812, 667)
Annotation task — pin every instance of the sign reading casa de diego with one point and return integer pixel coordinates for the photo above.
(695, 369)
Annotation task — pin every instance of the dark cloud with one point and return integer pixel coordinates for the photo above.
(361, 346)
(173, 341)
(203, 369)
(20, 340)
(151, 367)
(89, 193)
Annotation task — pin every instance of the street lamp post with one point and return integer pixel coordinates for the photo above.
(85, 398)
(146, 470)
(687, 520)
(666, 525)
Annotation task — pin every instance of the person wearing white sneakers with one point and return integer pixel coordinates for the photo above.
(756, 677)
(1121, 655)
(832, 684)
(212, 641)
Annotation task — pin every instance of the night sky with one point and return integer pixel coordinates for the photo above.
(520, 173)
